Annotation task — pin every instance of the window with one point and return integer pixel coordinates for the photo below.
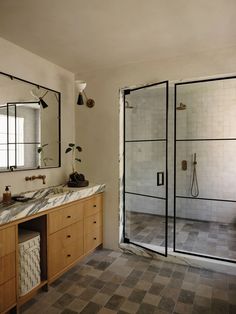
(13, 146)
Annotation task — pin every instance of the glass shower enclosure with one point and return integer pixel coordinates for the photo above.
(201, 218)
(145, 181)
(205, 171)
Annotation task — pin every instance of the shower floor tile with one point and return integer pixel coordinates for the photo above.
(201, 237)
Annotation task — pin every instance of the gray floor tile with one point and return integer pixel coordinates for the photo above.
(186, 296)
(153, 287)
(115, 302)
(166, 304)
(91, 308)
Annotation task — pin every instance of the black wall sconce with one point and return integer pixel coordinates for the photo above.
(80, 85)
(40, 99)
(42, 102)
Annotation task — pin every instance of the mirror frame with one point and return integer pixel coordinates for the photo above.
(12, 77)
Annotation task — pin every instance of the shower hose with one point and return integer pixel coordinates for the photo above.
(194, 183)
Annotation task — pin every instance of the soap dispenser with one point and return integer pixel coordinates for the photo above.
(6, 197)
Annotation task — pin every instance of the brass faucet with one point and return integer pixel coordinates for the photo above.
(43, 177)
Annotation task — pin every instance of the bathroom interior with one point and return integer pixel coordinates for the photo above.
(117, 157)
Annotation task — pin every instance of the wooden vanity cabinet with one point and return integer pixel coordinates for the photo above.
(73, 231)
(65, 216)
(65, 239)
(7, 268)
(68, 233)
(92, 223)
(65, 246)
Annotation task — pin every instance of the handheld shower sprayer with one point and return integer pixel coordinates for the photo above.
(194, 183)
(195, 159)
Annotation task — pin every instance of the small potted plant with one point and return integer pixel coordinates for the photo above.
(75, 179)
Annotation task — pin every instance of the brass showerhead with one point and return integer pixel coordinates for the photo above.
(181, 106)
(127, 105)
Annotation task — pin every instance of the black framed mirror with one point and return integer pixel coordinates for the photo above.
(30, 130)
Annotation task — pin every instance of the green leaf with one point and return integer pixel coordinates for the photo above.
(39, 150)
(68, 150)
(71, 144)
(79, 148)
(78, 159)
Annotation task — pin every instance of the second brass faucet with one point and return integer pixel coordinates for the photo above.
(42, 177)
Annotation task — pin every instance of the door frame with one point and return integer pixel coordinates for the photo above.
(175, 249)
(125, 92)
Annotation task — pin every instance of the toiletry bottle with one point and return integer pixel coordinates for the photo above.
(6, 197)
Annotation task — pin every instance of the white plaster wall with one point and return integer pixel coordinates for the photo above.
(24, 64)
(97, 129)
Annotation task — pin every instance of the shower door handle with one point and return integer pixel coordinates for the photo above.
(160, 178)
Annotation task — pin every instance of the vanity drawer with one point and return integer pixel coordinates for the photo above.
(7, 294)
(66, 236)
(64, 257)
(66, 216)
(93, 239)
(92, 222)
(7, 267)
(7, 241)
(93, 205)
(65, 246)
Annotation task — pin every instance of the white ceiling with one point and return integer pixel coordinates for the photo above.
(87, 35)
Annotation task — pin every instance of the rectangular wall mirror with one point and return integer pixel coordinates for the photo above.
(29, 125)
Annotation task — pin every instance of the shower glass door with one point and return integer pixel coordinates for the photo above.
(205, 171)
(145, 166)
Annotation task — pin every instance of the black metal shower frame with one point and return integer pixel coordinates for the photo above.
(125, 239)
(185, 140)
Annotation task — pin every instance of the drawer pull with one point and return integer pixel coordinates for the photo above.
(94, 238)
(69, 236)
(68, 255)
(94, 222)
(94, 205)
(68, 216)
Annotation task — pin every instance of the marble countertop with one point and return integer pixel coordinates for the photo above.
(45, 199)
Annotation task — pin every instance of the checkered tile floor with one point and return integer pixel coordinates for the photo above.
(111, 282)
(202, 237)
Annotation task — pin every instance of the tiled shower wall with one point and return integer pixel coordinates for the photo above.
(210, 114)
(145, 121)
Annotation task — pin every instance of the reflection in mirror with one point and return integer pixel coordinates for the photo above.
(29, 125)
(3, 137)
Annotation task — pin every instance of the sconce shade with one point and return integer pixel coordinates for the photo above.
(80, 85)
(80, 100)
(42, 103)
